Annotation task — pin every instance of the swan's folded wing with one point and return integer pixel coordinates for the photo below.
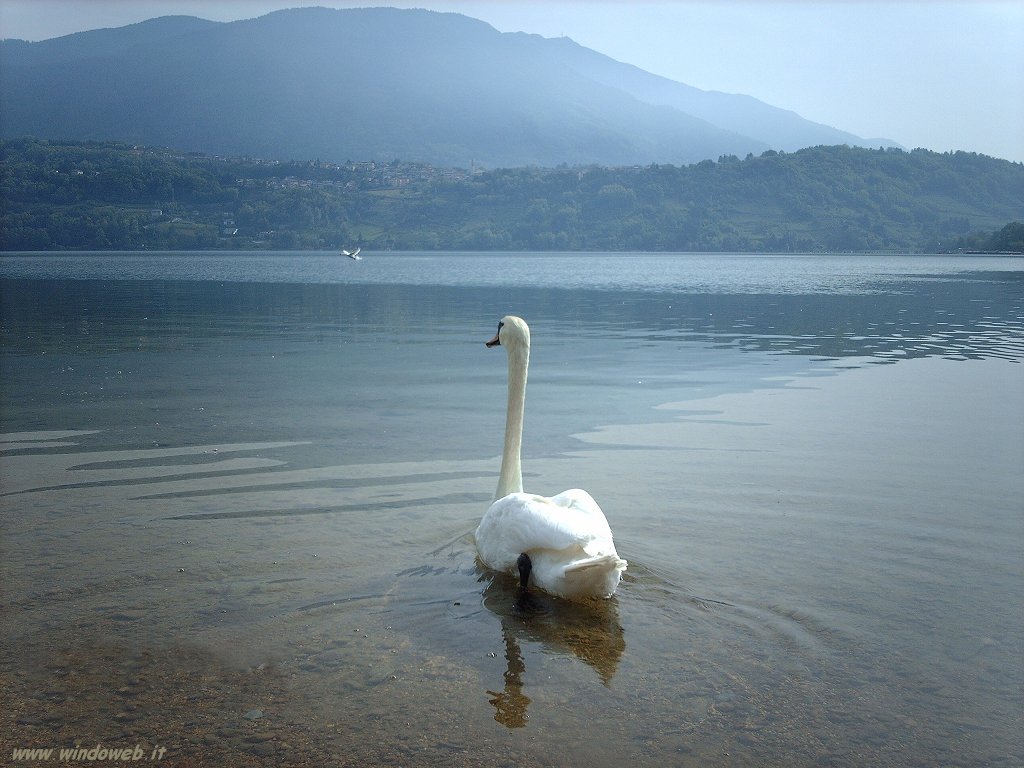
(581, 512)
(522, 522)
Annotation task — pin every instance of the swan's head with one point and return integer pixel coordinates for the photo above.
(513, 333)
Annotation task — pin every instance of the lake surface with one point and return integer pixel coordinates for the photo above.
(238, 493)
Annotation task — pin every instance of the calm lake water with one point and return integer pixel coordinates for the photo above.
(238, 494)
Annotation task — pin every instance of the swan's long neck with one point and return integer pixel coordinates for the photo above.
(511, 479)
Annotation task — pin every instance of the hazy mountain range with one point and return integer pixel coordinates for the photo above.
(377, 84)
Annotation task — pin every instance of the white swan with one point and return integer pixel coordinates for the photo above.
(563, 542)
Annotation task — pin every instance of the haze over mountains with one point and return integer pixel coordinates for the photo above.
(377, 84)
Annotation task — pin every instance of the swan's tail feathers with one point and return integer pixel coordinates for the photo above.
(596, 576)
(600, 562)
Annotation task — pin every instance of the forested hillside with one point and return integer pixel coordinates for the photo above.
(112, 196)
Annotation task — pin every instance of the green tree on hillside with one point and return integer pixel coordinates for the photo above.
(1009, 239)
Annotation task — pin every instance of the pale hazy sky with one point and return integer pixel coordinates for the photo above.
(924, 73)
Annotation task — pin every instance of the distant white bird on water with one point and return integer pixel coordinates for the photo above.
(564, 542)
(353, 255)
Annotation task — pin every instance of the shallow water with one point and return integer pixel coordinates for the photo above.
(239, 492)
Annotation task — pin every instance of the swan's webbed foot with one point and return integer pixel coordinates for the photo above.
(525, 566)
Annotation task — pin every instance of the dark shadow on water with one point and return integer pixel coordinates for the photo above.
(379, 506)
(972, 314)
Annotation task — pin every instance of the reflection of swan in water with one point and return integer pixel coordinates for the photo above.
(563, 541)
(589, 631)
(511, 703)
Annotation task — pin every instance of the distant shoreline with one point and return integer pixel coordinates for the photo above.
(475, 251)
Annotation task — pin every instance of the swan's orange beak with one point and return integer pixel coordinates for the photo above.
(493, 342)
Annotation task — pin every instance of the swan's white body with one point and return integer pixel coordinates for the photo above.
(566, 537)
